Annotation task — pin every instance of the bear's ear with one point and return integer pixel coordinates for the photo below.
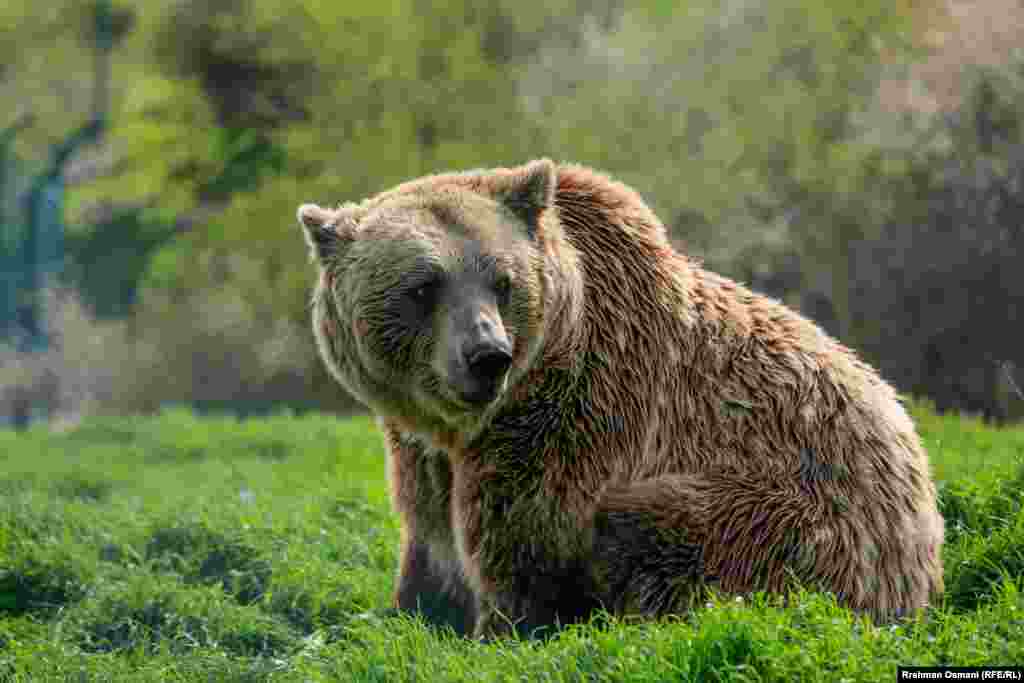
(326, 231)
(530, 191)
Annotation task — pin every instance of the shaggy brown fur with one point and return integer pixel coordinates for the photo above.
(661, 428)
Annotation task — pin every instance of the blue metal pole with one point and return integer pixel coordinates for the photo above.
(42, 253)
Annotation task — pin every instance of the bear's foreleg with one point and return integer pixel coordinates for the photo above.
(433, 588)
(523, 551)
(649, 548)
(430, 579)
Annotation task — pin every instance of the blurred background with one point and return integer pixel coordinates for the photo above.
(861, 161)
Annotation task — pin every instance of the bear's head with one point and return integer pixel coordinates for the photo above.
(433, 298)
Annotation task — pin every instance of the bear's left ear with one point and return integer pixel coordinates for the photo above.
(530, 191)
(326, 231)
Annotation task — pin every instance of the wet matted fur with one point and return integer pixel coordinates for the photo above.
(661, 428)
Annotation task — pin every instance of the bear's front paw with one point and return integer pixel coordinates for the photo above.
(493, 624)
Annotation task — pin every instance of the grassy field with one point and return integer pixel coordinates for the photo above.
(179, 548)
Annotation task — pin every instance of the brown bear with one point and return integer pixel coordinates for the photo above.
(579, 417)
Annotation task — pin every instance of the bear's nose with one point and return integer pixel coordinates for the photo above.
(488, 362)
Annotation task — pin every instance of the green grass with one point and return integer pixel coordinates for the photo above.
(179, 548)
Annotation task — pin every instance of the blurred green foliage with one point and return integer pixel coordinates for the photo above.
(754, 129)
(694, 103)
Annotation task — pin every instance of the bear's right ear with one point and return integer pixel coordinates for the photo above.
(326, 231)
(530, 191)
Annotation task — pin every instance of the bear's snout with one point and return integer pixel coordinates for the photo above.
(489, 363)
(479, 351)
(486, 364)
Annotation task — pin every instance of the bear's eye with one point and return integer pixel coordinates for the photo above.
(503, 288)
(424, 293)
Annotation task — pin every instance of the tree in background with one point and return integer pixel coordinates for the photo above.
(941, 283)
